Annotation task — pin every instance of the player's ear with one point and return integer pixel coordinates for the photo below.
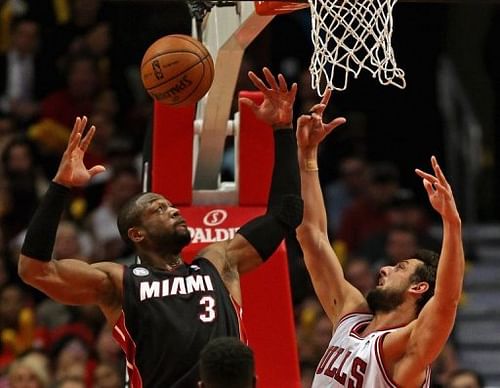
(419, 288)
(135, 234)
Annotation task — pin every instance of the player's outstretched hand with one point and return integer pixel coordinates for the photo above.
(311, 130)
(72, 172)
(277, 107)
(439, 192)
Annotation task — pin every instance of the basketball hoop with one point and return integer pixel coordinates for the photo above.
(349, 36)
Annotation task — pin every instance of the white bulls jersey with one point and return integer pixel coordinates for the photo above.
(353, 361)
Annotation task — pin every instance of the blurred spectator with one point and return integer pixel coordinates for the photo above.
(358, 272)
(76, 98)
(226, 362)
(407, 230)
(30, 371)
(123, 185)
(445, 365)
(108, 350)
(314, 331)
(7, 130)
(106, 375)
(67, 37)
(21, 79)
(71, 382)
(341, 193)
(70, 242)
(23, 185)
(307, 372)
(72, 355)
(17, 322)
(367, 215)
(465, 378)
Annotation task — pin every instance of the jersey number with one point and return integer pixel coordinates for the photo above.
(208, 314)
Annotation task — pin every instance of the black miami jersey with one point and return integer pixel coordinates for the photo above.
(167, 319)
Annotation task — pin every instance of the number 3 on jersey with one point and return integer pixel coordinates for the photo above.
(208, 313)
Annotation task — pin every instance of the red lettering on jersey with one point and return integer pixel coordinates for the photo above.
(330, 372)
(339, 375)
(358, 370)
(326, 357)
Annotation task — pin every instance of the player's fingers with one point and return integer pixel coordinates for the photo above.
(75, 135)
(258, 83)
(270, 79)
(438, 171)
(87, 139)
(425, 175)
(97, 170)
(293, 90)
(428, 187)
(250, 103)
(335, 123)
(282, 83)
(318, 108)
(326, 96)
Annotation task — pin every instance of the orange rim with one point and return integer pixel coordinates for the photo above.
(277, 7)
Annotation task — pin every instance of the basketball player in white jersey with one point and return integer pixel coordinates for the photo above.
(390, 338)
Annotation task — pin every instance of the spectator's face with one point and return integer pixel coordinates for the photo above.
(82, 80)
(11, 303)
(23, 377)
(106, 377)
(353, 173)
(123, 188)
(400, 245)
(67, 243)
(25, 37)
(19, 159)
(359, 274)
(465, 380)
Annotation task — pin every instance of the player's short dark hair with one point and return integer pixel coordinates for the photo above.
(227, 362)
(129, 216)
(425, 272)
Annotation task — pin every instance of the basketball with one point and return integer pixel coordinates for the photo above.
(177, 70)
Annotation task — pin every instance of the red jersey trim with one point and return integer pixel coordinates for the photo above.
(239, 314)
(124, 339)
(348, 315)
(379, 356)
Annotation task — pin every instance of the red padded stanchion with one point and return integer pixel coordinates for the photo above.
(255, 155)
(172, 159)
(267, 307)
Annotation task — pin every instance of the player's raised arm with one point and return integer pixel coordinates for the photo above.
(68, 281)
(435, 322)
(257, 240)
(335, 294)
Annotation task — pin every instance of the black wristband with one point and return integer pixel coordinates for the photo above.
(41, 234)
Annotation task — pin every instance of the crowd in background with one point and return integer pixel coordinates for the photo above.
(59, 59)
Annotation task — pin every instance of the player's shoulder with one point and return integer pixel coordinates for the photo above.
(114, 270)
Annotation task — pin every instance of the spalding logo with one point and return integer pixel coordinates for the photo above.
(215, 217)
(140, 271)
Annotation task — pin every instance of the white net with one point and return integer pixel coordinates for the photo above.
(349, 36)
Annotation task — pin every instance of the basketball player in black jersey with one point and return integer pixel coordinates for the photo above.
(163, 311)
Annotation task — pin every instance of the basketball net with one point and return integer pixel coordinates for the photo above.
(349, 36)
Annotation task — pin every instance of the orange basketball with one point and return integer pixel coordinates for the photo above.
(177, 70)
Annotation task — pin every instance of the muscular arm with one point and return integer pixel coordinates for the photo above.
(430, 331)
(68, 281)
(337, 296)
(72, 281)
(260, 237)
